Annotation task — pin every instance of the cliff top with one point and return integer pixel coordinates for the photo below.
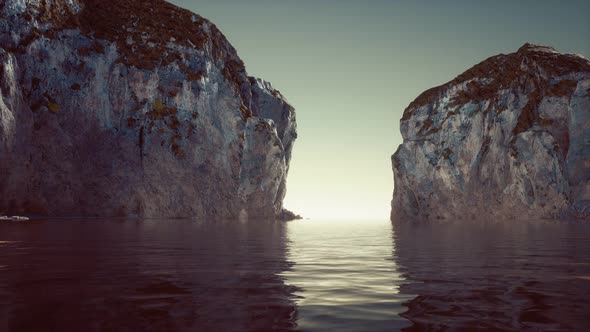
(147, 33)
(528, 47)
(533, 64)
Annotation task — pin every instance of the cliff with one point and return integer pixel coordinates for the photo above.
(508, 138)
(134, 108)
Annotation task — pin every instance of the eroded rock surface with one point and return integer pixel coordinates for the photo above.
(134, 108)
(509, 138)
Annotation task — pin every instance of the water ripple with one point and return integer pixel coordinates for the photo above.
(175, 275)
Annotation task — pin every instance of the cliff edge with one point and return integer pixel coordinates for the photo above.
(508, 138)
(134, 108)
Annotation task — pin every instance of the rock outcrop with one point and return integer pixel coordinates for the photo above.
(134, 108)
(509, 138)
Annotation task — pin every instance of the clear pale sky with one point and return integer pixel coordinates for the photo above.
(351, 67)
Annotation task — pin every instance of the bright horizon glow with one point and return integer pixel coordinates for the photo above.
(351, 67)
(351, 213)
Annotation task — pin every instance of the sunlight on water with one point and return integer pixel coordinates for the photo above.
(346, 274)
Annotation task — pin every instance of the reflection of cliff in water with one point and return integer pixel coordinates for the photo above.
(498, 277)
(144, 276)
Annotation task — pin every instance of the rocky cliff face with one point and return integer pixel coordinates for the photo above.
(134, 108)
(509, 138)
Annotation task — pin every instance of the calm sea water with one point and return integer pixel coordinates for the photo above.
(180, 275)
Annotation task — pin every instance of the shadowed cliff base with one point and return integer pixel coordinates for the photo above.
(134, 108)
(507, 139)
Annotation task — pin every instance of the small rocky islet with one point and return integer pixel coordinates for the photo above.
(14, 218)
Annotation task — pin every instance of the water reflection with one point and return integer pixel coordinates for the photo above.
(161, 275)
(496, 277)
(174, 275)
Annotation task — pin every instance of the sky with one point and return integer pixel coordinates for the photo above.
(350, 68)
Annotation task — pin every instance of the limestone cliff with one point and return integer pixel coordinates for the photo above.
(134, 108)
(509, 138)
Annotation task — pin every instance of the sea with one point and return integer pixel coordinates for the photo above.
(305, 275)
